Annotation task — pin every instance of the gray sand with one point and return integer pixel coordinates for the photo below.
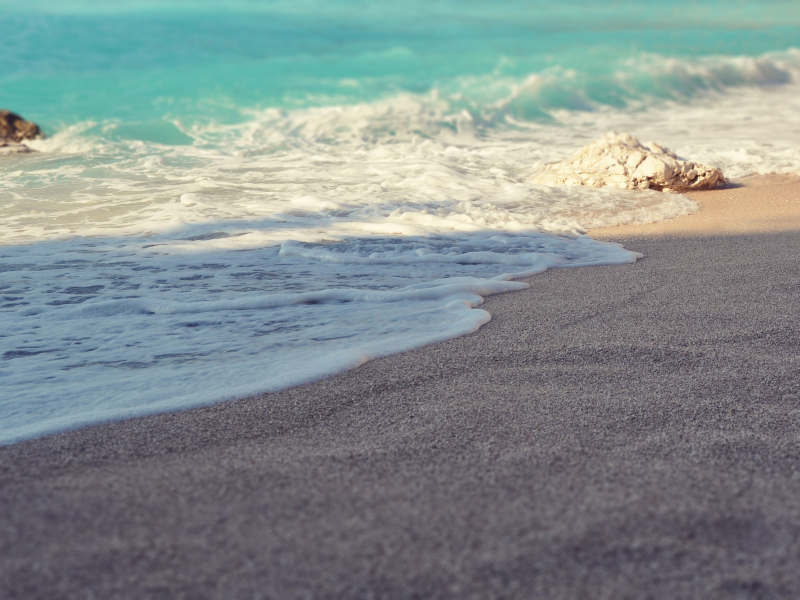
(614, 432)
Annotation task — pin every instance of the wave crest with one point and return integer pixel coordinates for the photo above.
(477, 104)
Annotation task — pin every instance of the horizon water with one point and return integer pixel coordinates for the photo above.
(233, 199)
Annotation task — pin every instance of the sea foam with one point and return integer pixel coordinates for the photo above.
(140, 277)
(106, 328)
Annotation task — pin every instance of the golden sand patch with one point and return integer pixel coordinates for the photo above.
(754, 204)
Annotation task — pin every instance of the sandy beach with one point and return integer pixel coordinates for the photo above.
(614, 432)
(751, 205)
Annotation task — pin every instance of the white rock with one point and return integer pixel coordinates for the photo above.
(620, 160)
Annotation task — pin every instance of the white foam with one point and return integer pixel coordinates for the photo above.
(138, 277)
(116, 327)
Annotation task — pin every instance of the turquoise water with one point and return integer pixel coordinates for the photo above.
(147, 64)
(238, 197)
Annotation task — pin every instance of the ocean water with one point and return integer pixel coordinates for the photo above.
(238, 197)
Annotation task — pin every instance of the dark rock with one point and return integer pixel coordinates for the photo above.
(14, 128)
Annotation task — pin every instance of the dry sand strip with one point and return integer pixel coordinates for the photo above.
(755, 204)
(614, 432)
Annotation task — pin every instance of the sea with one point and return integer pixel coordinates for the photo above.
(235, 197)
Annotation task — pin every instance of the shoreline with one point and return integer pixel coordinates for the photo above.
(614, 431)
(752, 204)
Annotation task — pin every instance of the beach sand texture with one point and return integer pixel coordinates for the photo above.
(614, 432)
(754, 204)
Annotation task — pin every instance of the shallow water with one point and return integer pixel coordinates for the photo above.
(234, 201)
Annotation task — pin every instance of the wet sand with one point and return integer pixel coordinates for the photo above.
(614, 432)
